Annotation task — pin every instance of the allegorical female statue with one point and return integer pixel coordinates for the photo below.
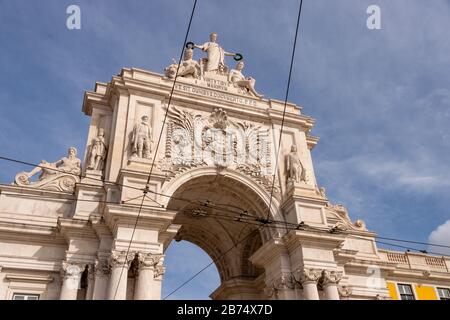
(295, 170)
(98, 152)
(216, 54)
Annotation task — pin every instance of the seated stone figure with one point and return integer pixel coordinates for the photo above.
(189, 68)
(70, 164)
(237, 78)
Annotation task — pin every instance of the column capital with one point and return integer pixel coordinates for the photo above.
(120, 258)
(330, 277)
(91, 271)
(152, 261)
(159, 271)
(72, 269)
(308, 275)
(148, 259)
(284, 281)
(101, 267)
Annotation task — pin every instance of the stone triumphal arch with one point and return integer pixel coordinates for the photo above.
(75, 229)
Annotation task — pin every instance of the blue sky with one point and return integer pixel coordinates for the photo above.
(381, 98)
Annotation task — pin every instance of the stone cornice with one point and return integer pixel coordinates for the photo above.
(28, 278)
(76, 229)
(311, 141)
(420, 275)
(296, 238)
(153, 218)
(268, 111)
(11, 190)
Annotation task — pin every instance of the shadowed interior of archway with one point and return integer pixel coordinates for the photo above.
(215, 228)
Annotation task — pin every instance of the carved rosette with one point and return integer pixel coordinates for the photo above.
(330, 277)
(308, 275)
(120, 259)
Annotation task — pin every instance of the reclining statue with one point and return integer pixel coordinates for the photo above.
(68, 168)
(237, 78)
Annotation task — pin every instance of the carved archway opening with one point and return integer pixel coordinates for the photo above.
(209, 208)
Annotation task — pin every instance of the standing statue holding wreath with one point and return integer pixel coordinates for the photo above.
(216, 55)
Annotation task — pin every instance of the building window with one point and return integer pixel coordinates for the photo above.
(24, 296)
(444, 293)
(406, 292)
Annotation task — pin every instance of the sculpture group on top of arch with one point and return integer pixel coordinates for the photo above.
(213, 67)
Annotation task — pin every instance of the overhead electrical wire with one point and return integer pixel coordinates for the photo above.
(159, 140)
(203, 203)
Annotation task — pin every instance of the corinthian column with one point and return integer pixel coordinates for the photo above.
(330, 281)
(148, 284)
(308, 279)
(91, 282)
(101, 274)
(119, 263)
(71, 275)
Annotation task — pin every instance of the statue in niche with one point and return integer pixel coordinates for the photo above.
(141, 139)
(237, 78)
(295, 170)
(50, 171)
(216, 55)
(98, 152)
(189, 68)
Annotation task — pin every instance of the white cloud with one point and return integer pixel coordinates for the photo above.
(441, 235)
